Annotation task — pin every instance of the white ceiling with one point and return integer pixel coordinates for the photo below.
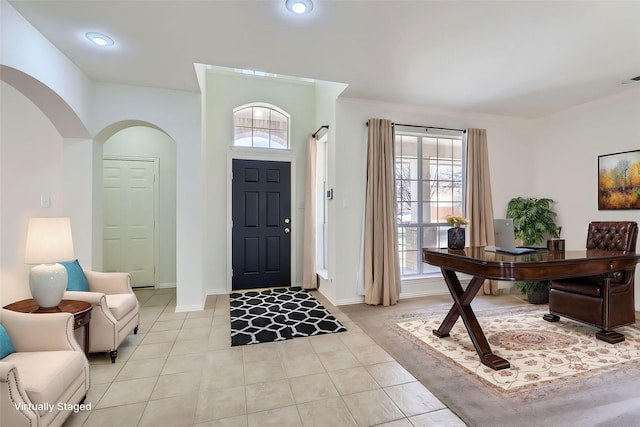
(517, 58)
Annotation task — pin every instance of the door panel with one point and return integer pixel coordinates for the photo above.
(274, 216)
(261, 240)
(252, 211)
(129, 219)
(272, 253)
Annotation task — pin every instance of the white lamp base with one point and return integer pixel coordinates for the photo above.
(48, 283)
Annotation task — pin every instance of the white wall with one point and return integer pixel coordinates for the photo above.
(80, 156)
(31, 166)
(37, 161)
(508, 138)
(81, 110)
(567, 146)
(224, 93)
(178, 114)
(59, 91)
(326, 97)
(26, 50)
(146, 142)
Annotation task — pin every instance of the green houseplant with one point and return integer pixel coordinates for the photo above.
(533, 219)
(536, 292)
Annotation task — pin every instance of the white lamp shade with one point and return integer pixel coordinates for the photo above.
(49, 240)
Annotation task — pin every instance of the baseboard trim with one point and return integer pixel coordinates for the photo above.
(418, 294)
(403, 295)
(185, 308)
(349, 301)
(165, 285)
(217, 291)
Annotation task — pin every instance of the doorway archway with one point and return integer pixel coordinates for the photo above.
(139, 203)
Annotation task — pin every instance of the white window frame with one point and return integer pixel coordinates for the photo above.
(425, 270)
(270, 107)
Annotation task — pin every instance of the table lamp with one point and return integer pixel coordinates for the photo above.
(49, 240)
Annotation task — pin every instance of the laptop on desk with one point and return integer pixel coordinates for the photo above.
(505, 239)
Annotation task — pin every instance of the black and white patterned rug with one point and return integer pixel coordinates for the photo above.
(278, 314)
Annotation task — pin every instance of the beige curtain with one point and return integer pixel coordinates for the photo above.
(381, 266)
(309, 276)
(479, 200)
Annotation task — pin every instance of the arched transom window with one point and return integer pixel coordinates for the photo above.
(260, 126)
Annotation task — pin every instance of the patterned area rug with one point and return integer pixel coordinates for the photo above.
(278, 314)
(540, 353)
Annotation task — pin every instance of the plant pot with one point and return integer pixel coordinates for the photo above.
(456, 238)
(539, 296)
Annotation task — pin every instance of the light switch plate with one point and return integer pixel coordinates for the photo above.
(45, 201)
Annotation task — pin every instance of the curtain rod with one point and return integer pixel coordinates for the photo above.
(321, 127)
(426, 127)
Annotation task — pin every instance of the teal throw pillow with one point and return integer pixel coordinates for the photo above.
(76, 279)
(6, 347)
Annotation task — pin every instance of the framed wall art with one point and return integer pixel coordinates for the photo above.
(619, 180)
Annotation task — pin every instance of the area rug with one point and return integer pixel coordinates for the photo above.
(600, 398)
(540, 353)
(278, 314)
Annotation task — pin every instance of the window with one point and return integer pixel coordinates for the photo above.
(430, 184)
(260, 126)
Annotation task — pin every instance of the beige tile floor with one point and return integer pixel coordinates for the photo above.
(180, 370)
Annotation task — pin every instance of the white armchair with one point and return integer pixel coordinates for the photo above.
(48, 376)
(116, 311)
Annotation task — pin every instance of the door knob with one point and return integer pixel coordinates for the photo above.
(287, 230)
(287, 220)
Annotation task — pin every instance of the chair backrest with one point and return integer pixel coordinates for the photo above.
(612, 235)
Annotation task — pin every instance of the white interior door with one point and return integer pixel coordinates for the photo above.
(129, 218)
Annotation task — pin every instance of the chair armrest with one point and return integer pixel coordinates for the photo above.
(99, 302)
(14, 402)
(93, 298)
(109, 283)
(5, 371)
(40, 332)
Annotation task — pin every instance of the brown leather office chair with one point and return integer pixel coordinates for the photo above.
(605, 301)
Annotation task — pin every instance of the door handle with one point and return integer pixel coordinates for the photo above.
(287, 230)
(287, 220)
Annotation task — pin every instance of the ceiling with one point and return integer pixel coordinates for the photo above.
(516, 58)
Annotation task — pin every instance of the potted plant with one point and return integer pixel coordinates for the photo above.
(533, 220)
(536, 292)
(456, 238)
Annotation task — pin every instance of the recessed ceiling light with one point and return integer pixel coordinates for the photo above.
(100, 39)
(299, 6)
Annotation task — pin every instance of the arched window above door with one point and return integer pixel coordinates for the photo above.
(261, 125)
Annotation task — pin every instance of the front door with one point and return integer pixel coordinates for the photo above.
(261, 214)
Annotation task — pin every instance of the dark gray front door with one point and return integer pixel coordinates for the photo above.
(261, 213)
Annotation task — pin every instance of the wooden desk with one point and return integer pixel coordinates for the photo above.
(81, 311)
(536, 266)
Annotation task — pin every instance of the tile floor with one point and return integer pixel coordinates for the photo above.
(180, 370)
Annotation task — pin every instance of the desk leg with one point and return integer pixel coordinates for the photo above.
(462, 308)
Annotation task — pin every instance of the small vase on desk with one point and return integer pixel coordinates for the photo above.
(456, 238)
